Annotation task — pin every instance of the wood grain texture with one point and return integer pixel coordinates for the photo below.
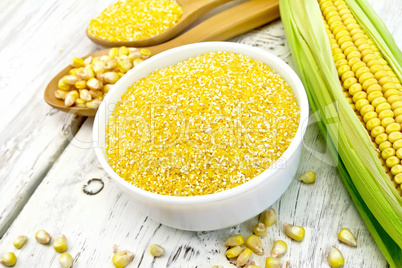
(32, 134)
(93, 224)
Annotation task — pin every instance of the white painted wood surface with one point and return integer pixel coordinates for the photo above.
(40, 37)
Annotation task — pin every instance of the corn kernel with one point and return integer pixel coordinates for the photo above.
(294, 232)
(235, 240)
(137, 61)
(61, 85)
(235, 251)
(9, 259)
(156, 250)
(260, 229)
(71, 96)
(42, 237)
(244, 257)
(94, 84)
(111, 77)
(125, 65)
(66, 260)
(20, 241)
(60, 94)
(77, 62)
(270, 217)
(93, 104)
(308, 177)
(279, 248)
(122, 259)
(254, 243)
(69, 79)
(347, 237)
(272, 262)
(335, 258)
(60, 244)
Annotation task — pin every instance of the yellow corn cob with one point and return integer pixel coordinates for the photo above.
(370, 85)
(359, 76)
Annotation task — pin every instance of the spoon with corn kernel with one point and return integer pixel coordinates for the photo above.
(225, 25)
(146, 22)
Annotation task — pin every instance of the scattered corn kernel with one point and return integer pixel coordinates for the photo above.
(135, 19)
(66, 260)
(260, 229)
(244, 257)
(20, 241)
(122, 259)
(279, 248)
(9, 259)
(254, 243)
(294, 232)
(335, 257)
(308, 177)
(43, 237)
(206, 92)
(347, 237)
(270, 217)
(235, 251)
(156, 250)
(272, 262)
(60, 244)
(235, 240)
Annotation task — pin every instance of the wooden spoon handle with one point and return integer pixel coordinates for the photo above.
(227, 24)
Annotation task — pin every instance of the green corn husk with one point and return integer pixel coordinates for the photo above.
(376, 199)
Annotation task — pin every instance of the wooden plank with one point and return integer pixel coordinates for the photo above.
(32, 134)
(93, 224)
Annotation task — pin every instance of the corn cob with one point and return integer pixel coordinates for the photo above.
(373, 87)
(351, 71)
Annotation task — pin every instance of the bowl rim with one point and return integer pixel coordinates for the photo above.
(230, 193)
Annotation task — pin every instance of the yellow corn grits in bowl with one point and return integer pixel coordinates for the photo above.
(202, 126)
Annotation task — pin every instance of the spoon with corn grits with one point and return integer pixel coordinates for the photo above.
(223, 26)
(192, 10)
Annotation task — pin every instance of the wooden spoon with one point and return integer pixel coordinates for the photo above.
(228, 24)
(192, 10)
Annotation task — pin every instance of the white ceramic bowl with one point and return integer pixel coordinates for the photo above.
(224, 209)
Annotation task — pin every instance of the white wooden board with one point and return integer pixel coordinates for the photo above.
(93, 224)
